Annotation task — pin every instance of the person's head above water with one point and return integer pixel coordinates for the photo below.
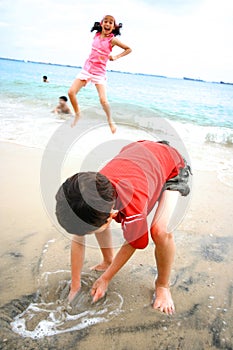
(63, 98)
(45, 79)
(109, 25)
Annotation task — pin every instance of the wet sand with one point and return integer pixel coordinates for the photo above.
(202, 279)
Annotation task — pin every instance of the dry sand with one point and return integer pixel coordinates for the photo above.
(202, 276)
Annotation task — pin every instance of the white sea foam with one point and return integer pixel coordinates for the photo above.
(42, 319)
(206, 155)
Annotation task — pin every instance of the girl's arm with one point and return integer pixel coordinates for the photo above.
(127, 49)
(77, 258)
(100, 286)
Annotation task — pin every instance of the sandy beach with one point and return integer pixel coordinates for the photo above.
(202, 279)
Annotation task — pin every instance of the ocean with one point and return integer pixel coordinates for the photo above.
(200, 112)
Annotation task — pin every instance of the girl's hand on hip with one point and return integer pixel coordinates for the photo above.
(112, 58)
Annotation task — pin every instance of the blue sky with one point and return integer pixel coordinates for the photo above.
(169, 37)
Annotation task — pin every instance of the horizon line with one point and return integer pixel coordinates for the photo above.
(116, 71)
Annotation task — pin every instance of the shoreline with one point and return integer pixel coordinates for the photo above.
(198, 80)
(202, 275)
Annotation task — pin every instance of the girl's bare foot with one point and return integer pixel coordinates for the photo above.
(163, 300)
(76, 118)
(112, 127)
(101, 267)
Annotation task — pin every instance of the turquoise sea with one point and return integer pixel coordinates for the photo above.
(201, 112)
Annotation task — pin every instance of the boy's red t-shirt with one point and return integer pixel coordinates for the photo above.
(138, 174)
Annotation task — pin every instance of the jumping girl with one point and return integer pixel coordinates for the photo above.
(94, 69)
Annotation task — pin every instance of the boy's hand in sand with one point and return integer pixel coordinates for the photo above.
(72, 294)
(99, 289)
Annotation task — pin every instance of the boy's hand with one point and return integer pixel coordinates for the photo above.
(72, 294)
(99, 289)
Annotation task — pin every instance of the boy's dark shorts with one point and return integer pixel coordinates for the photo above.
(181, 181)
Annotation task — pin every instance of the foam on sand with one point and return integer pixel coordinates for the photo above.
(43, 318)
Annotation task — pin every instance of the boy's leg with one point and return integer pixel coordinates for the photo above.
(105, 242)
(104, 102)
(73, 90)
(164, 250)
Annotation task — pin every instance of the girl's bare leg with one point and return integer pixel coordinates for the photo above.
(73, 90)
(164, 250)
(104, 102)
(105, 242)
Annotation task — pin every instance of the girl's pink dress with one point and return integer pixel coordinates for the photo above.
(97, 61)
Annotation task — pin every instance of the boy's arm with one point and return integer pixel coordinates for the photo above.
(77, 258)
(126, 48)
(66, 109)
(100, 286)
(55, 110)
(105, 242)
(69, 110)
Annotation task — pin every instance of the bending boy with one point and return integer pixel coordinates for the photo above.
(126, 190)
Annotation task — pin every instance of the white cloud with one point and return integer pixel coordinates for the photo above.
(4, 24)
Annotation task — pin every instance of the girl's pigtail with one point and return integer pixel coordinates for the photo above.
(96, 27)
(116, 31)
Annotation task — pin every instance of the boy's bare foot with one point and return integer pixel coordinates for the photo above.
(76, 118)
(163, 300)
(100, 267)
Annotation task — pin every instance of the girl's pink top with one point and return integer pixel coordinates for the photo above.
(101, 49)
